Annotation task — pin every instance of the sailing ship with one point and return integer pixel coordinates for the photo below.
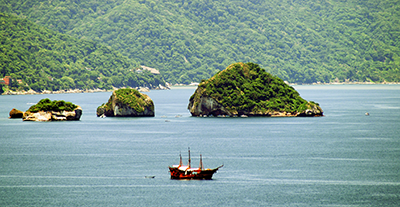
(187, 172)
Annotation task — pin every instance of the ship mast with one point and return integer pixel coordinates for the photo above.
(201, 163)
(189, 157)
(180, 159)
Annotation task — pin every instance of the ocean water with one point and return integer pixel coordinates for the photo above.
(342, 159)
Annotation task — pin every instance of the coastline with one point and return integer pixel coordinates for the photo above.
(345, 83)
(32, 92)
(180, 86)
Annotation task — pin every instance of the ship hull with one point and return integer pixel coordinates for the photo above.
(198, 174)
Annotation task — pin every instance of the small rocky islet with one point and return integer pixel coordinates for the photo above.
(47, 110)
(245, 89)
(16, 114)
(127, 102)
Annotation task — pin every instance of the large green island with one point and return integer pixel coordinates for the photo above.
(245, 89)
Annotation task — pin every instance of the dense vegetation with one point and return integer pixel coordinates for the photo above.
(247, 87)
(131, 97)
(300, 41)
(48, 105)
(46, 60)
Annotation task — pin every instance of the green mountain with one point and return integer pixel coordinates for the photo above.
(42, 59)
(300, 41)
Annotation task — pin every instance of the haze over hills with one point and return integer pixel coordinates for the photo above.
(300, 41)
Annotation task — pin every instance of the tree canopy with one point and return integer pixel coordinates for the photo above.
(301, 41)
(46, 60)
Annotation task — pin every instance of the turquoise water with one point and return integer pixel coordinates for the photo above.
(342, 159)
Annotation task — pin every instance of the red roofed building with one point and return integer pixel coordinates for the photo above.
(7, 80)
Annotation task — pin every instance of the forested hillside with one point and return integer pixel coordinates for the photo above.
(302, 41)
(42, 59)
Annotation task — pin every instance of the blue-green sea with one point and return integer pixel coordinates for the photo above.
(342, 159)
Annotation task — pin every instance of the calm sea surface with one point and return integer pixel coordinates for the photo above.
(342, 159)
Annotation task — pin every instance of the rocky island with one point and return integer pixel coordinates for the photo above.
(47, 110)
(127, 103)
(16, 114)
(245, 89)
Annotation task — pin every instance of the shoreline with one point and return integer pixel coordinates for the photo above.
(345, 83)
(32, 92)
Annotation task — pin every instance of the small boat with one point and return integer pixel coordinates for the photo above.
(187, 172)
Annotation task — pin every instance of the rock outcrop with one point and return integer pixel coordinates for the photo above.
(311, 110)
(207, 106)
(248, 90)
(74, 115)
(16, 114)
(127, 103)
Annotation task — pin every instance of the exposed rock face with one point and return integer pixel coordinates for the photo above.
(53, 115)
(127, 103)
(15, 114)
(207, 106)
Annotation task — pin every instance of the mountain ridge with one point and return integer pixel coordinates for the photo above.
(301, 41)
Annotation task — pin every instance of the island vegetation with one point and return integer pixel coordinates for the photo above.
(247, 89)
(48, 105)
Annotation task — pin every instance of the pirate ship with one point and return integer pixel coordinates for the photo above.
(187, 172)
